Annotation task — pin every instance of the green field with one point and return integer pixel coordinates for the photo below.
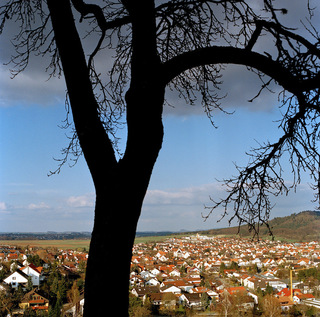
(60, 244)
(74, 244)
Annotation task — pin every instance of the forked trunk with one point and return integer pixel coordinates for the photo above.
(118, 206)
(120, 185)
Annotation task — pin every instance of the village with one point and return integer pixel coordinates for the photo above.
(186, 276)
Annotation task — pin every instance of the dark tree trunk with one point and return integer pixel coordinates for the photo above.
(108, 268)
(118, 207)
(120, 186)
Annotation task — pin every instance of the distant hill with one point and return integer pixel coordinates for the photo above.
(49, 235)
(303, 226)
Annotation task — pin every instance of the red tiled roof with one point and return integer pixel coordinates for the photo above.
(234, 290)
(287, 292)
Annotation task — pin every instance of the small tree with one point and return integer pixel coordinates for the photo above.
(205, 300)
(30, 284)
(269, 290)
(169, 301)
(73, 294)
(271, 306)
(222, 268)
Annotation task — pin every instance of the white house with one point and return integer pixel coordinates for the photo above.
(277, 284)
(255, 297)
(152, 282)
(155, 272)
(161, 256)
(34, 272)
(146, 275)
(186, 255)
(170, 289)
(175, 272)
(213, 294)
(17, 278)
(257, 261)
(299, 298)
(190, 300)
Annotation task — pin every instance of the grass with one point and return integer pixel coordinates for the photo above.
(60, 244)
(75, 244)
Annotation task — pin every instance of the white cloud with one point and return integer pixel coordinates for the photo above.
(40, 205)
(181, 196)
(86, 200)
(3, 206)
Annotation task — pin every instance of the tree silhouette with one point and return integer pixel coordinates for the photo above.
(154, 45)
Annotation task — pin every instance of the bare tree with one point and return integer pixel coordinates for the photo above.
(183, 45)
(271, 306)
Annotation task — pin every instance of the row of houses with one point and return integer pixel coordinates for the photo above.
(178, 267)
(244, 251)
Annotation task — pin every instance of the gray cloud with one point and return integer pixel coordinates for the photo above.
(240, 85)
(29, 88)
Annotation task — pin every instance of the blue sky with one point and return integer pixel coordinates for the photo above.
(193, 157)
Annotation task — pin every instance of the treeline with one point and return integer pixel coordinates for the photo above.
(309, 275)
(45, 236)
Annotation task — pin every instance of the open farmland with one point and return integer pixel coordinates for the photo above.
(60, 244)
(69, 244)
(72, 244)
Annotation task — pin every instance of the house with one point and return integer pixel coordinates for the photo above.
(199, 290)
(170, 289)
(194, 272)
(34, 272)
(287, 292)
(236, 290)
(244, 279)
(161, 256)
(35, 301)
(301, 297)
(304, 262)
(17, 278)
(141, 292)
(155, 272)
(183, 285)
(285, 302)
(146, 275)
(12, 256)
(213, 295)
(247, 299)
(190, 300)
(195, 281)
(229, 273)
(255, 282)
(175, 273)
(152, 282)
(166, 299)
(136, 280)
(268, 262)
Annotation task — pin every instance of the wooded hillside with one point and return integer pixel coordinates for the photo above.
(304, 226)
